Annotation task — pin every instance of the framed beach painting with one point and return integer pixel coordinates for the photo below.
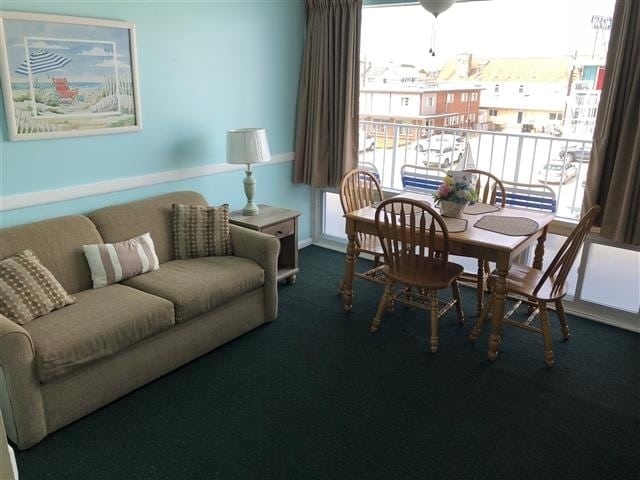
(68, 76)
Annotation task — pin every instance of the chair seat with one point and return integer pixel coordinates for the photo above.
(370, 244)
(522, 280)
(433, 278)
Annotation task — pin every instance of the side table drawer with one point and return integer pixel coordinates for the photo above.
(280, 230)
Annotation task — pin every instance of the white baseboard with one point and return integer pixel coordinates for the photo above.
(14, 465)
(305, 243)
(32, 199)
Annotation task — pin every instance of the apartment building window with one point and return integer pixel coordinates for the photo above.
(450, 97)
(464, 97)
(493, 112)
(404, 101)
(521, 89)
(496, 89)
(430, 102)
(555, 116)
(474, 96)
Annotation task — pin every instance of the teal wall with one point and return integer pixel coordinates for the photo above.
(203, 68)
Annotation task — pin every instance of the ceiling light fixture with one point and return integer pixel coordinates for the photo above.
(435, 7)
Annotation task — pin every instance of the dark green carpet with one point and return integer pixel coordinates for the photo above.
(314, 395)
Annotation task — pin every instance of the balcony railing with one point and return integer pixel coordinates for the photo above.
(513, 157)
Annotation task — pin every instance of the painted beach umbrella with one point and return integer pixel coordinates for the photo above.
(42, 61)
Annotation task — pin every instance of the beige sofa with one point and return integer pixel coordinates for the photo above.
(64, 365)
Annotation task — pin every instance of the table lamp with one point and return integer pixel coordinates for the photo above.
(248, 146)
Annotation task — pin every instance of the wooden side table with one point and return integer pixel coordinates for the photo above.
(282, 223)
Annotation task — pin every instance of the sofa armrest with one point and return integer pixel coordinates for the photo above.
(264, 250)
(20, 396)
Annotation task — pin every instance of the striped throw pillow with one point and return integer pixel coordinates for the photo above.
(200, 231)
(114, 262)
(28, 289)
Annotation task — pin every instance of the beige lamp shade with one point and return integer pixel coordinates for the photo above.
(247, 146)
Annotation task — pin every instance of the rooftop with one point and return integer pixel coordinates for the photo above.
(543, 70)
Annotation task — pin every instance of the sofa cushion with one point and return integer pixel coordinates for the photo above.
(28, 290)
(200, 231)
(102, 322)
(114, 262)
(58, 244)
(152, 215)
(198, 285)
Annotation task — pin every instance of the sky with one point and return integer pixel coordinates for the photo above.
(495, 28)
(91, 58)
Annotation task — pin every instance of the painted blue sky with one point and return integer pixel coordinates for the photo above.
(91, 60)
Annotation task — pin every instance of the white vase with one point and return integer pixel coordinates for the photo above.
(451, 209)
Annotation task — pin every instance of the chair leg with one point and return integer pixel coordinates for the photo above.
(480, 285)
(546, 333)
(434, 321)
(475, 332)
(455, 290)
(386, 297)
(376, 261)
(563, 320)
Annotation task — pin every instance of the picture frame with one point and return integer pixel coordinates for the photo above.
(67, 76)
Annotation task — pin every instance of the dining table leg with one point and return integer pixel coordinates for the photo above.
(346, 287)
(539, 251)
(497, 314)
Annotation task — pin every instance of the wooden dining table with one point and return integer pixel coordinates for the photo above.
(472, 242)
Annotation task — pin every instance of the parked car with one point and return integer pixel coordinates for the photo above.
(557, 171)
(440, 151)
(576, 152)
(366, 141)
(440, 158)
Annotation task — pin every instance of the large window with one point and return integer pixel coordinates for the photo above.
(535, 109)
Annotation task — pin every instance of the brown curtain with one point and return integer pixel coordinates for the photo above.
(614, 170)
(327, 122)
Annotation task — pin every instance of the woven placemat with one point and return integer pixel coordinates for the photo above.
(455, 224)
(479, 208)
(514, 226)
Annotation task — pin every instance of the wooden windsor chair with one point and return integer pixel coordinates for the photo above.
(360, 188)
(415, 242)
(490, 191)
(536, 288)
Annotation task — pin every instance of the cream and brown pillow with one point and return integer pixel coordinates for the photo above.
(114, 262)
(200, 231)
(28, 289)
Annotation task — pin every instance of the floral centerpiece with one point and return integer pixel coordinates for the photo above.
(454, 193)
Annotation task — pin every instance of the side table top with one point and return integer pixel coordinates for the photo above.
(268, 216)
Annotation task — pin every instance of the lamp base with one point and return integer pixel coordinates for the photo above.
(250, 190)
(250, 209)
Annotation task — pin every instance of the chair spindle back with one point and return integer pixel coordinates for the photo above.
(408, 232)
(488, 186)
(563, 261)
(359, 188)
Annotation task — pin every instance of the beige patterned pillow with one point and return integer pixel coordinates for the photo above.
(200, 231)
(28, 290)
(112, 262)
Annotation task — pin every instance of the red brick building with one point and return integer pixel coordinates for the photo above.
(436, 105)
